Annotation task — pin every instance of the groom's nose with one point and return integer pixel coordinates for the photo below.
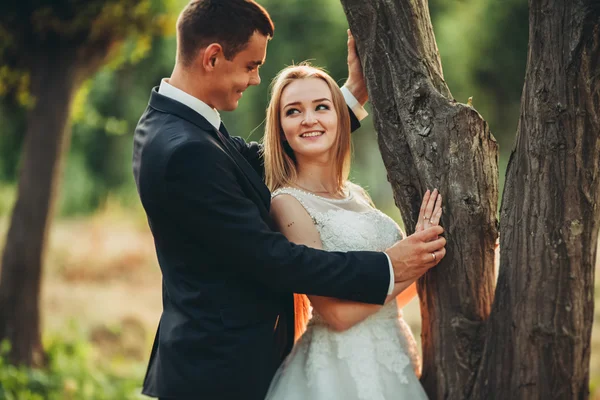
(255, 79)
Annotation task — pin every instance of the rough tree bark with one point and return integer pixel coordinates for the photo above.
(429, 140)
(538, 339)
(536, 343)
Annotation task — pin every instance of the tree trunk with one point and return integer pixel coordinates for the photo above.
(538, 344)
(428, 140)
(53, 81)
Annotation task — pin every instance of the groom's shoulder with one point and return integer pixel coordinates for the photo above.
(163, 133)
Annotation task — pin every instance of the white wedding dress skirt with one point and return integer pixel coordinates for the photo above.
(374, 360)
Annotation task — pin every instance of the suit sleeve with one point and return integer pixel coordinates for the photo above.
(207, 202)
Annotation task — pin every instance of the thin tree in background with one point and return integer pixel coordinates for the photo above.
(534, 342)
(48, 49)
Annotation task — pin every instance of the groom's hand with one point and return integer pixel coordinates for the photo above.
(356, 80)
(416, 254)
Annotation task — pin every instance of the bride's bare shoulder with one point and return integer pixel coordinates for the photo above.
(294, 221)
(285, 206)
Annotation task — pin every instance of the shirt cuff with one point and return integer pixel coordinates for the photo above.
(391, 286)
(358, 110)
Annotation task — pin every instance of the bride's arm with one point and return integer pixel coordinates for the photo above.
(294, 222)
(342, 314)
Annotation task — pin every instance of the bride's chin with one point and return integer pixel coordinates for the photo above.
(312, 156)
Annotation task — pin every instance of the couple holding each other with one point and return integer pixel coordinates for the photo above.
(232, 253)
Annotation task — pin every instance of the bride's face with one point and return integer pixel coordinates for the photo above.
(308, 118)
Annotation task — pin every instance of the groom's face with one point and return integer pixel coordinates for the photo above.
(232, 77)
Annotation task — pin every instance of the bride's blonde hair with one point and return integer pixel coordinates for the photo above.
(279, 160)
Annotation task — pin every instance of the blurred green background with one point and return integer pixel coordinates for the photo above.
(101, 287)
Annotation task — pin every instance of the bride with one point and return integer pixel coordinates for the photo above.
(346, 350)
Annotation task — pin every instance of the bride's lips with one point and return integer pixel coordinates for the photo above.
(312, 134)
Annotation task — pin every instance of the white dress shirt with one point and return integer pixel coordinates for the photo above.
(214, 118)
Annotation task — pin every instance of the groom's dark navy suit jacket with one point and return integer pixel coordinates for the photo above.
(228, 277)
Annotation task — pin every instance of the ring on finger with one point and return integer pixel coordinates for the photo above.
(434, 256)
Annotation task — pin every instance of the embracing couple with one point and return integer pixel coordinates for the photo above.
(240, 227)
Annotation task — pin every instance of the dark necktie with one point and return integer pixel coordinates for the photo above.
(223, 135)
(223, 131)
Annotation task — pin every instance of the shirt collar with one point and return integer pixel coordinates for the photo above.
(195, 104)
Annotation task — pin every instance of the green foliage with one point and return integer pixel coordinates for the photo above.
(84, 27)
(71, 373)
(483, 45)
(7, 198)
(17, 81)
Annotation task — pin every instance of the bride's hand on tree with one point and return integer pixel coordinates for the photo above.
(414, 255)
(429, 216)
(431, 210)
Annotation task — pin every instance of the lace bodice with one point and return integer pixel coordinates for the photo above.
(383, 340)
(347, 224)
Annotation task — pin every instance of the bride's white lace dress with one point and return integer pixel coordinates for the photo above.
(377, 358)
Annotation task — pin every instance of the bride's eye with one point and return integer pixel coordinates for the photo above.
(291, 111)
(322, 107)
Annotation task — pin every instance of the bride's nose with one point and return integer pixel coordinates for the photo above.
(309, 119)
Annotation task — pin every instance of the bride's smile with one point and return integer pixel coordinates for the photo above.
(312, 134)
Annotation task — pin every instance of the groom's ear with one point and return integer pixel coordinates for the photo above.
(211, 55)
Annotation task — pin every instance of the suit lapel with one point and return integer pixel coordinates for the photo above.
(168, 105)
(241, 162)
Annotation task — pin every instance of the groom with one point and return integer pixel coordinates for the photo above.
(228, 278)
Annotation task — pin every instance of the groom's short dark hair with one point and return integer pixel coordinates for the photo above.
(230, 23)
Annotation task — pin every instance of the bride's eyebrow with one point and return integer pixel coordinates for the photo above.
(314, 101)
